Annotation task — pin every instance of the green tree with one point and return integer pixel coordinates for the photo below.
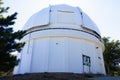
(111, 55)
(9, 41)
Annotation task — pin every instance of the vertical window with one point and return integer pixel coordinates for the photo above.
(86, 60)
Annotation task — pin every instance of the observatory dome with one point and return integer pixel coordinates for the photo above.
(73, 17)
(61, 38)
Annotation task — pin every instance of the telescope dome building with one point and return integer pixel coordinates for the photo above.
(61, 38)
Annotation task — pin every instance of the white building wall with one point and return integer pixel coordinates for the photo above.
(59, 53)
(57, 61)
(75, 55)
(39, 62)
(24, 67)
(100, 61)
(87, 49)
(93, 55)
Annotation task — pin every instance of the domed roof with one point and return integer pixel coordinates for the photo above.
(44, 16)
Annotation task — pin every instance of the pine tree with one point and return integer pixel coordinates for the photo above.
(111, 55)
(9, 41)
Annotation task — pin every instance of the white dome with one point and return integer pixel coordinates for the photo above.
(54, 14)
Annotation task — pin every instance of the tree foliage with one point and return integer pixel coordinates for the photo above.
(9, 40)
(111, 54)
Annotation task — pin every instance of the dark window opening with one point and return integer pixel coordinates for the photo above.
(86, 60)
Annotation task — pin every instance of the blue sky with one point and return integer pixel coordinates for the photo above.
(105, 13)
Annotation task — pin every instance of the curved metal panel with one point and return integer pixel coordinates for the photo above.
(88, 23)
(38, 19)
